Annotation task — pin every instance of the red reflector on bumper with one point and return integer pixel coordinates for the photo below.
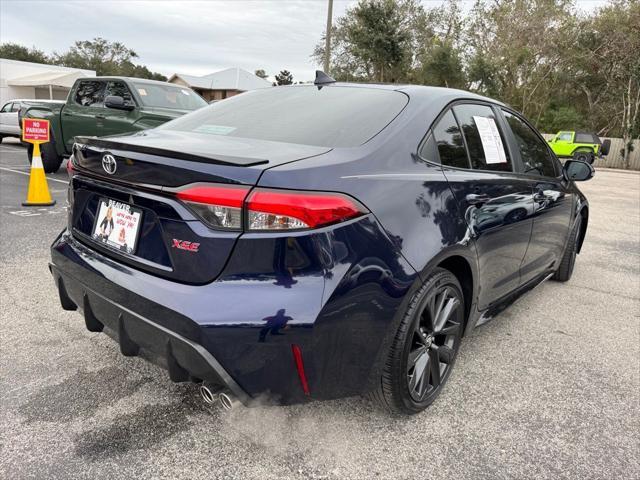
(297, 356)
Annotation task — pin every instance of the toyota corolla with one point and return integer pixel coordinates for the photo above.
(316, 241)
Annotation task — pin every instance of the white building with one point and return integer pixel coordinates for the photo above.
(37, 80)
(222, 84)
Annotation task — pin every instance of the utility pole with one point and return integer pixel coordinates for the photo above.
(327, 39)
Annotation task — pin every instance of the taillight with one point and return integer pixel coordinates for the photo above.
(224, 207)
(70, 166)
(217, 206)
(290, 210)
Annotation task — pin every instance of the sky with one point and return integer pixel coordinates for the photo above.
(189, 37)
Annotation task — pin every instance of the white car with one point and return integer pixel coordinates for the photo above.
(9, 124)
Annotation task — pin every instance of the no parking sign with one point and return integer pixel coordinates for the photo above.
(35, 130)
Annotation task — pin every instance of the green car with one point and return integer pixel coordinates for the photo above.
(581, 146)
(102, 106)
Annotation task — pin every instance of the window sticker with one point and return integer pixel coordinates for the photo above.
(491, 140)
(214, 129)
(142, 92)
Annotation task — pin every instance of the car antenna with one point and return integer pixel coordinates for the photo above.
(323, 79)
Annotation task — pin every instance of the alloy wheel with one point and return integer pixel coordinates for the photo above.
(434, 343)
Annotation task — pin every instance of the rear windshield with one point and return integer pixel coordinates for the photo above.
(330, 117)
(168, 96)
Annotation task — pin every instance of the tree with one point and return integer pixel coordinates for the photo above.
(106, 58)
(374, 40)
(284, 78)
(261, 73)
(516, 50)
(606, 69)
(14, 51)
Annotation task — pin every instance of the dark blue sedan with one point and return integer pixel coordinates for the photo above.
(316, 241)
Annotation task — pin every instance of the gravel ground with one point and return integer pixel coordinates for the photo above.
(549, 389)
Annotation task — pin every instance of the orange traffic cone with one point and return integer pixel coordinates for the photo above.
(38, 195)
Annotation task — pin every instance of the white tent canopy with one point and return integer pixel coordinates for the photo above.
(48, 79)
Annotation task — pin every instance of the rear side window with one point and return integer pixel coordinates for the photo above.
(90, 93)
(332, 116)
(584, 138)
(449, 141)
(121, 90)
(16, 107)
(535, 154)
(485, 142)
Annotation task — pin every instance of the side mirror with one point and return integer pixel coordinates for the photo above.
(578, 171)
(116, 102)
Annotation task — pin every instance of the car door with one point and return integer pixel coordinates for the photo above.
(13, 124)
(119, 121)
(84, 113)
(496, 202)
(5, 118)
(553, 198)
(563, 144)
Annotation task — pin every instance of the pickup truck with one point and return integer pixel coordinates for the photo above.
(581, 146)
(103, 106)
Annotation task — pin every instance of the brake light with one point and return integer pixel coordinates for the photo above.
(70, 168)
(290, 210)
(218, 206)
(224, 207)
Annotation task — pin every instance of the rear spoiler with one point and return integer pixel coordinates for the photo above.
(112, 144)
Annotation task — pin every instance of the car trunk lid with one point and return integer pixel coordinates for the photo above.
(140, 173)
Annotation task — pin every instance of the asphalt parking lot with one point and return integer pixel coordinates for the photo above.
(549, 389)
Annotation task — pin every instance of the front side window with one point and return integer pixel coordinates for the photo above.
(90, 93)
(565, 136)
(449, 141)
(6, 108)
(333, 116)
(119, 89)
(485, 142)
(535, 154)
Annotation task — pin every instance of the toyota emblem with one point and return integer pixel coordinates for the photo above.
(109, 164)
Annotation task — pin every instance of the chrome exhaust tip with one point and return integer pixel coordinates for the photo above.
(208, 393)
(228, 400)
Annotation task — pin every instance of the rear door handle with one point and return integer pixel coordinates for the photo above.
(477, 198)
(100, 117)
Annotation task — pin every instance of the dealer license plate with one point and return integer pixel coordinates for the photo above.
(117, 225)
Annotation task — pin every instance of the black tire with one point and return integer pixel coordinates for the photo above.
(51, 161)
(419, 341)
(583, 156)
(606, 146)
(565, 269)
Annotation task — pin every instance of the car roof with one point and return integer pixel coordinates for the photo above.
(137, 80)
(416, 91)
(32, 100)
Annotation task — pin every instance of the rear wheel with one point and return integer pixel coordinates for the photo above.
(565, 269)
(584, 156)
(51, 161)
(424, 349)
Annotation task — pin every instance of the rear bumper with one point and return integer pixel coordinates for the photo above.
(185, 359)
(334, 294)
